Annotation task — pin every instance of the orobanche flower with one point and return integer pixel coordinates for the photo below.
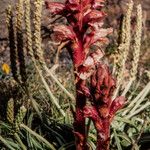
(93, 79)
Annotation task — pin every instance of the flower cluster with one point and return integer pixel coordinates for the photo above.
(84, 29)
(85, 26)
(103, 107)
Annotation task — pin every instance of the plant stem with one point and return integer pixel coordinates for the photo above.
(6, 143)
(138, 110)
(53, 98)
(137, 98)
(79, 122)
(103, 139)
(20, 142)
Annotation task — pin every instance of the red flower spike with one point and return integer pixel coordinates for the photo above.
(85, 19)
(102, 86)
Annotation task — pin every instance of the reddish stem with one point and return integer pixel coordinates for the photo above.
(103, 138)
(79, 119)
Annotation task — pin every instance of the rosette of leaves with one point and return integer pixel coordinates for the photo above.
(85, 29)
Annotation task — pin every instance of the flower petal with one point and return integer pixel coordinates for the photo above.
(54, 7)
(116, 105)
(102, 84)
(86, 2)
(74, 1)
(94, 16)
(97, 4)
(6, 68)
(97, 55)
(93, 58)
(97, 34)
(100, 34)
(85, 75)
(88, 62)
(87, 69)
(72, 5)
(63, 32)
(104, 111)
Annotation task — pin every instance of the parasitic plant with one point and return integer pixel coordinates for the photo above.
(93, 79)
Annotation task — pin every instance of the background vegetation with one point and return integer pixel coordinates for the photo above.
(37, 93)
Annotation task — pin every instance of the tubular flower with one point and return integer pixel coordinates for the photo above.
(85, 29)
